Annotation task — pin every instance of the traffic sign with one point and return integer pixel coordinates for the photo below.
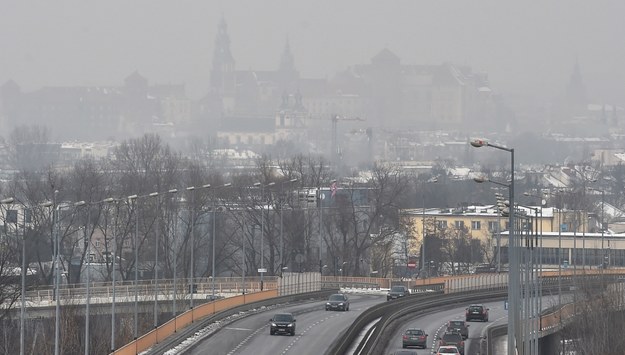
(412, 264)
(262, 270)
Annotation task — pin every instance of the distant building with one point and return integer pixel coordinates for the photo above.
(96, 113)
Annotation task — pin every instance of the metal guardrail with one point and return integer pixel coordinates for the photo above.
(391, 311)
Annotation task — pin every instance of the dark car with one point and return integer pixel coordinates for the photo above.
(282, 323)
(452, 338)
(458, 326)
(476, 311)
(414, 337)
(337, 302)
(397, 292)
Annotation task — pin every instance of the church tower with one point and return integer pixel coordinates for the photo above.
(576, 90)
(287, 73)
(222, 79)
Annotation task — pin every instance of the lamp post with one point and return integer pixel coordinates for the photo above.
(282, 224)
(192, 190)
(114, 277)
(213, 245)
(342, 269)
(423, 225)
(321, 198)
(513, 273)
(57, 312)
(156, 242)
(8, 201)
(262, 228)
(57, 327)
(243, 266)
(133, 199)
(87, 244)
(602, 229)
(500, 207)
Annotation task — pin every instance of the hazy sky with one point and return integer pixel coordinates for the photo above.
(525, 46)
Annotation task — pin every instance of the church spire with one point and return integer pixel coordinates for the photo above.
(222, 71)
(287, 62)
(576, 90)
(287, 73)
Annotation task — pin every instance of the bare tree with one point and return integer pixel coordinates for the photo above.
(30, 148)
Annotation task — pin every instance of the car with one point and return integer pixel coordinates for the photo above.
(448, 350)
(459, 326)
(337, 302)
(282, 323)
(414, 337)
(476, 311)
(214, 297)
(397, 291)
(452, 338)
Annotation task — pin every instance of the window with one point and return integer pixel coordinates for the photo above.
(459, 224)
(476, 225)
(441, 224)
(492, 226)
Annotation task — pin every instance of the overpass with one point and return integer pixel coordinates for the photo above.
(41, 301)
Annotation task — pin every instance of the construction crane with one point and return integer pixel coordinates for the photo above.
(335, 119)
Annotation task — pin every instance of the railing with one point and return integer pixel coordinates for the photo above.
(102, 292)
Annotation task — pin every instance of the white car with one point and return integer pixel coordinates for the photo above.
(448, 349)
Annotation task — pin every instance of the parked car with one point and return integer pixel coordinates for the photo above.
(282, 323)
(458, 326)
(448, 350)
(414, 337)
(454, 339)
(397, 292)
(337, 302)
(476, 311)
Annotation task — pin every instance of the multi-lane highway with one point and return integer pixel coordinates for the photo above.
(316, 329)
(434, 325)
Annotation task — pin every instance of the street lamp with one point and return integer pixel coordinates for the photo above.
(57, 311)
(513, 273)
(213, 244)
(262, 228)
(192, 190)
(321, 198)
(433, 180)
(133, 199)
(156, 242)
(281, 222)
(8, 201)
(114, 277)
(57, 248)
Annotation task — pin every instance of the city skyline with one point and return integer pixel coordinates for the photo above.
(70, 44)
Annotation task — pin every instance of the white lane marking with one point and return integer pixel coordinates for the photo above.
(232, 328)
(288, 347)
(297, 337)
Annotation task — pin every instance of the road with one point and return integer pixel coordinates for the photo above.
(434, 325)
(315, 330)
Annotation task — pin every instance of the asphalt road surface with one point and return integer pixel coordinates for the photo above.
(315, 330)
(435, 324)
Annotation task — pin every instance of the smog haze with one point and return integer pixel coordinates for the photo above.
(525, 47)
